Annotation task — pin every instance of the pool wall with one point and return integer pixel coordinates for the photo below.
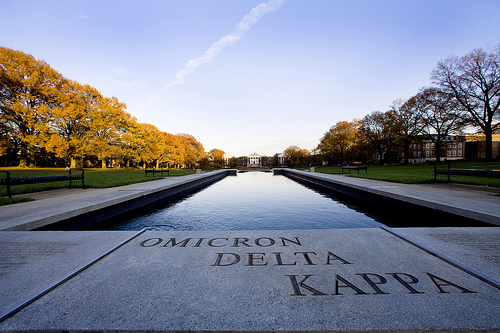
(90, 206)
(80, 213)
(392, 200)
(146, 200)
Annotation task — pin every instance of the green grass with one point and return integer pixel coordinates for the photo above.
(97, 178)
(9, 201)
(421, 173)
(94, 178)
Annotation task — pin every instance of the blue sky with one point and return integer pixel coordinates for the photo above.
(289, 73)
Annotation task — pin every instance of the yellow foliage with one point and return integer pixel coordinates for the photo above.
(43, 109)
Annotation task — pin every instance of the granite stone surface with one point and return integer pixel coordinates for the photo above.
(477, 248)
(258, 280)
(30, 261)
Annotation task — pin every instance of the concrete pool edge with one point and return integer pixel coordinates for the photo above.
(105, 203)
(189, 279)
(82, 209)
(400, 197)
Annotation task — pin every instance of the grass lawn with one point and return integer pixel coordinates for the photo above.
(421, 173)
(95, 178)
(98, 178)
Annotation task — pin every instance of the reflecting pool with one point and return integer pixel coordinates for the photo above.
(251, 201)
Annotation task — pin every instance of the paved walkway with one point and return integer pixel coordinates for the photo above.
(480, 203)
(50, 208)
(405, 279)
(471, 199)
(474, 192)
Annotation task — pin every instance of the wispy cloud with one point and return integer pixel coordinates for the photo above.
(81, 15)
(238, 32)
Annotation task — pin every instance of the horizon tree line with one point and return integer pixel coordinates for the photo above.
(466, 93)
(49, 120)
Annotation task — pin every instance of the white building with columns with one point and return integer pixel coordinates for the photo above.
(254, 160)
(227, 157)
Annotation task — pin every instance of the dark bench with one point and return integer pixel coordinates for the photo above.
(10, 181)
(355, 167)
(160, 171)
(465, 172)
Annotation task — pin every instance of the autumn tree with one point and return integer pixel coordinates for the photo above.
(233, 162)
(474, 81)
(147, 143)
(337, 143)
(27, 89)
(216, 157)
(193, 150)
(173, 151)
(5, 142)
(295, 156)
(273, 161)
(129, 152)
(41, 111)
(107, 121)
(69, 121)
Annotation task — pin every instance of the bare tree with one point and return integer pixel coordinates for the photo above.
(474, 81)
(439, 116)
(409, 116)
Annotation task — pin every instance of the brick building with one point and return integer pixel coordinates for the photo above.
(424, 149)
(475, 146)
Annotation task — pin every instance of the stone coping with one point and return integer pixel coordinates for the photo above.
(285, 280)
(37, 214)
(418, 196)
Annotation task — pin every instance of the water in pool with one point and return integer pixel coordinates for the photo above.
(251, 201)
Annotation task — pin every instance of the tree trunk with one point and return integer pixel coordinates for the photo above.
(438, 151)
(24, 156)
(103, 163)
(407, 151)
(489, 145)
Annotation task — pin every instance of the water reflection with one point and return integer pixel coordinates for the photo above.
(252, 201)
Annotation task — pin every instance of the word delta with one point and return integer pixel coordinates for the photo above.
(276, 259)
(372, 284)
(222, 242)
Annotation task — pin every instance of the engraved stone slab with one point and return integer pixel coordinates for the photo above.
(266, 280)
(31, 261)
(477, 248)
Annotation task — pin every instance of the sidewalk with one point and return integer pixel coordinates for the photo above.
(473, 199)
(476, 203)
(71, 203)
(343, 280)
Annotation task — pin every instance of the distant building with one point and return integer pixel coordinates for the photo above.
(227, 157)
(254, 160)
(475, 146)
(281, 159)
(424, 149)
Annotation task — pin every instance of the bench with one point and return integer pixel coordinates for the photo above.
(11, 181)
(355, 167)
(160, 171)
(465, 172)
